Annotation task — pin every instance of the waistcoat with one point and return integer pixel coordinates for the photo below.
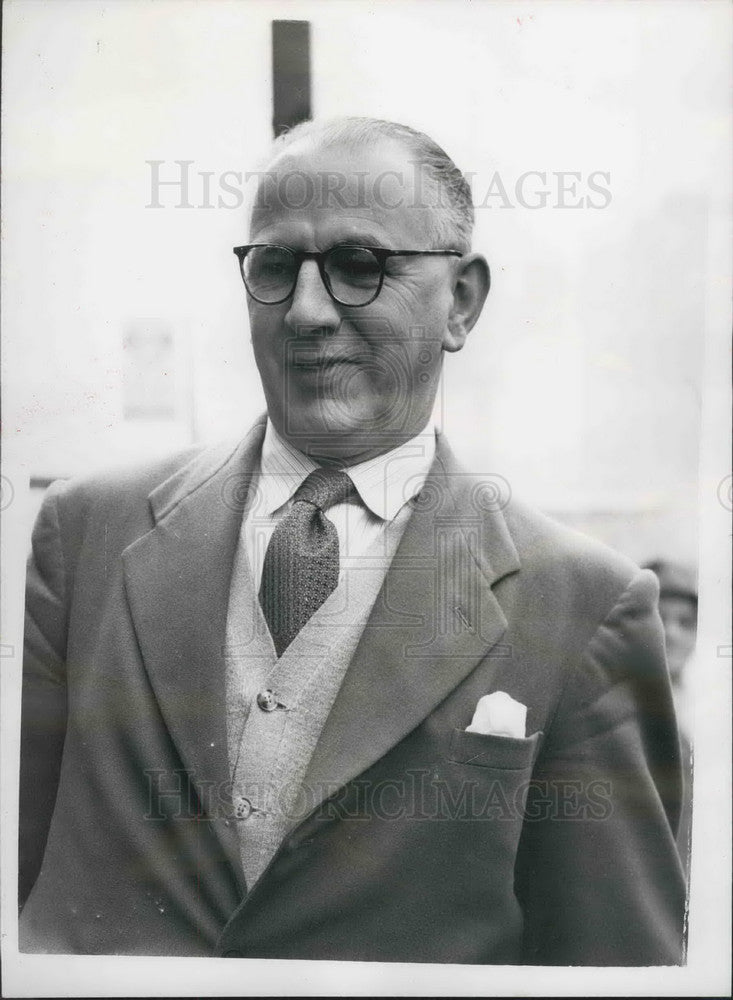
(276, 708)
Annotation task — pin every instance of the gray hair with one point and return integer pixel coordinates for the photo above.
(453, 204)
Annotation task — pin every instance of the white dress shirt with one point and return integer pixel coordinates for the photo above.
(384, 485)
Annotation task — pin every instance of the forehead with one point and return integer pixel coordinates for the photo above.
(321, 193)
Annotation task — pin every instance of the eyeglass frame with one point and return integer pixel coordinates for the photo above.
(382, 255)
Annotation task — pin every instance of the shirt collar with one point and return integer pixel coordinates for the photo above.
(384, 483)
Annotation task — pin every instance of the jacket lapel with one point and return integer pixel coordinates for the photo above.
(177, 579)
(434, 620)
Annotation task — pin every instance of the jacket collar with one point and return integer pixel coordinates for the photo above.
(231, 465)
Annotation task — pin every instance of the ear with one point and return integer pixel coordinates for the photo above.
(472, 283)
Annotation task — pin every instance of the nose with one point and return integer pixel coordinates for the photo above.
(312, 310)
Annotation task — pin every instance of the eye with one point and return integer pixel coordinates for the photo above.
(272, 260)
(269, 273)
(353, 264)
(273, 267)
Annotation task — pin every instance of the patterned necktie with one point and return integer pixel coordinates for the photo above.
(301, 565)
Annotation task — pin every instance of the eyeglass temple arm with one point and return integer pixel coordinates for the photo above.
(419, 253)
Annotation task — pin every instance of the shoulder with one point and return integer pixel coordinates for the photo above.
(577, 577)
(177, 473)
(556, 569)
(543, 547)
(549, 547)
(118, 500)
(121, 486)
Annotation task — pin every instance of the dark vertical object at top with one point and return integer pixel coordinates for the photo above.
(291, 74)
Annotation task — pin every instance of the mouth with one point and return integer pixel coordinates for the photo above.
(323, 363)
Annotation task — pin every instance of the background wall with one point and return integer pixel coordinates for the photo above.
(582, 383)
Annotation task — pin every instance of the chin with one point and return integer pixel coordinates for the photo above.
(333, 435)
(329, 416)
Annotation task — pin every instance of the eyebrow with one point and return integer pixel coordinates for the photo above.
(359, 241)
(355, 240)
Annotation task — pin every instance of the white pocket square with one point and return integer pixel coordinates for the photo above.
(498, 714)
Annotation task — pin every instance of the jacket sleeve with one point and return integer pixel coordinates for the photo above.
(43, 713)
(598, 874)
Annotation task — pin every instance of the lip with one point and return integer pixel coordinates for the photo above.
(323, 363)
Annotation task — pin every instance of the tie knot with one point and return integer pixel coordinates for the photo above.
(324, 487)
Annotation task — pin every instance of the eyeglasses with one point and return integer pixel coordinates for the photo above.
(353, 275)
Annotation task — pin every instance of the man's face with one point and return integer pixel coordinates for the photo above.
(679, 617)
(346, 382)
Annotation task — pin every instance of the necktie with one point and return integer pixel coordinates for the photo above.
(301, 565)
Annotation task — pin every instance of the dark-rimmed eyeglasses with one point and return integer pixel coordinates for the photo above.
(353, 275)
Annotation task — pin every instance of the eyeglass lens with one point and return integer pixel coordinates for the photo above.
(354, 273)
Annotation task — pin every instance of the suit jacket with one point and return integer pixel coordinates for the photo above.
(421, 842)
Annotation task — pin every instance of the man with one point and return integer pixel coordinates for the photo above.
(327, 695)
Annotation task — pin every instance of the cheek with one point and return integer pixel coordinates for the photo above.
(407, 348)
(266, 344)
(417, 308)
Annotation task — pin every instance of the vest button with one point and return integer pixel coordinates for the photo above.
(267, 701)
(242, 807)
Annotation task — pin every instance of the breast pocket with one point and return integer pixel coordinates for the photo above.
(505, 753)
(485, 778)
